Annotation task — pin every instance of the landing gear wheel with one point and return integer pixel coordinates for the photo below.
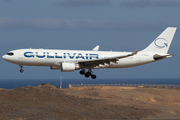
(21, 70)
(82, 72)
(88, 74)
(93, 76)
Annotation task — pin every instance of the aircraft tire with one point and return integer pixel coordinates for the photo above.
(21, 70)
(93, 76)
(86, 75)
(82, 72)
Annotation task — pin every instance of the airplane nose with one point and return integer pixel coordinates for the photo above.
(10, 59)
(4, 57)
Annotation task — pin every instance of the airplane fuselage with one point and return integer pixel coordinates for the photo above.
(48, 57)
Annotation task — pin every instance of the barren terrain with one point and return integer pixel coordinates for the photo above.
(47, 102)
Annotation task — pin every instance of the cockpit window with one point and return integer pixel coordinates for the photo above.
(10, 53)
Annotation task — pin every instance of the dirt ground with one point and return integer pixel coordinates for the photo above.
(47, 102)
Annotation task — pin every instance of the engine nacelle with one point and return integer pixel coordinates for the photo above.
(68, 67)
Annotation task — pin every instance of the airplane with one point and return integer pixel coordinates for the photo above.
(71, 60)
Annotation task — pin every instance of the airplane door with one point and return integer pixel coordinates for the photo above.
(20, 57)
(40, 58)
(138, 60)
(49, 59)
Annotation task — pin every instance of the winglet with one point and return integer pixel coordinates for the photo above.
(134, 53)
(96, 48)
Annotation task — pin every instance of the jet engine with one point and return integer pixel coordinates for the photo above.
(69, 67)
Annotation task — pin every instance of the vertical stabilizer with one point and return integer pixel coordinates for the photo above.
(162, 43)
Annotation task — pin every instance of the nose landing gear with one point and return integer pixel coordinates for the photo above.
(21, 70)
(87, 74)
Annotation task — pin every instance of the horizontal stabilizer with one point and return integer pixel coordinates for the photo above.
(159, 57)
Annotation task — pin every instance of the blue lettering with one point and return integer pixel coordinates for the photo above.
(48, 56)
(40, 56)
(86, 56)
(64, 55)
(56, 56)
(79, 56)
(28, 54)
(94, 56)
(71, 57)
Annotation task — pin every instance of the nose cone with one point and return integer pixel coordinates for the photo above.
(11, 57)
(4, 57)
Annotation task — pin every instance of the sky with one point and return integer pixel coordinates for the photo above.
(117, 25)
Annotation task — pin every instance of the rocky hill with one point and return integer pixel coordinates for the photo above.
(48, 102)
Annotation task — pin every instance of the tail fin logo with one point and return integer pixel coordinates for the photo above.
(161, 43)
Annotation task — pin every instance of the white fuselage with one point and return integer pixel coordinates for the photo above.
(49, 57)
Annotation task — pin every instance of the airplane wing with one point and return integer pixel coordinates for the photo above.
(107, 60)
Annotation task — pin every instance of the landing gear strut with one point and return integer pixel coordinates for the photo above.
(21, 70)
(87, 74)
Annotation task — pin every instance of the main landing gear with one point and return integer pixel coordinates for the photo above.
(87, 74)
(21, 70)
